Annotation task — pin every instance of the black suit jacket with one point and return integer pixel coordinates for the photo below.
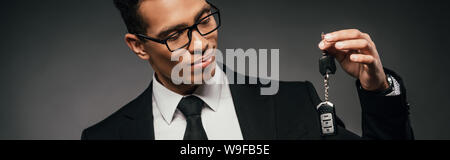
(290, 114)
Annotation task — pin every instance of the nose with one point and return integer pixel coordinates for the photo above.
(198, 44)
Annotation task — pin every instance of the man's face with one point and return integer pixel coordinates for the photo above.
(165, 17)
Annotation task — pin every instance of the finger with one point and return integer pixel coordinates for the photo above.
(324, 45)
(355, 44)
(362, 58)
(343, 35)
(338, 54)
(329, 48)
(366, 36)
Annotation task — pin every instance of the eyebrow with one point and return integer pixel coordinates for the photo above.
(181, 26)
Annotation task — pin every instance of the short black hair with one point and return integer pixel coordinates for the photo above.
(130, 15)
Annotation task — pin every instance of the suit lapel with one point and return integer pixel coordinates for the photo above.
(256, 113)
(139, 125)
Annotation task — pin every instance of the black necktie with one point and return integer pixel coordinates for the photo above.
(191, 107)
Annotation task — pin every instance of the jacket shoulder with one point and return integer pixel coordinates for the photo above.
(108, 128)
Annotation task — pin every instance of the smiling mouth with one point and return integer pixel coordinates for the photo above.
(203, 62)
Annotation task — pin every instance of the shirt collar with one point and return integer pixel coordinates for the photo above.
(210, 92)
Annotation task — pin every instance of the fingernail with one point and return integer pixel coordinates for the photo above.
(328, 37)
(353, 57)
(321, 45)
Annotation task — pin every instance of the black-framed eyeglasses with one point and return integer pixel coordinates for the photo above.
(182, 38)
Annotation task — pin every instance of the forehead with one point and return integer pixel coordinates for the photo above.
(159, 14)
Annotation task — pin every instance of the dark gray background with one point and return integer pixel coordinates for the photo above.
(65, 66)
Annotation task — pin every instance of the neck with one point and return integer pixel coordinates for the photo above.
(182, 89)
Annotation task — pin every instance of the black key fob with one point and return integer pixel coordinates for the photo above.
(327, 64)
(327, 118)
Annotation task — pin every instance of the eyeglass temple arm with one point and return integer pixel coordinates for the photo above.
(150, 38)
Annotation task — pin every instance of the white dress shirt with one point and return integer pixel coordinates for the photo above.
(218, 115)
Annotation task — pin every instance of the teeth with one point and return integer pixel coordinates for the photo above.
(206, 59)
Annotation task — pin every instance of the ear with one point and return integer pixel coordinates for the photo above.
(137, 46)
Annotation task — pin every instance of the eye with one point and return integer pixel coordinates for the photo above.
(174, 36)
(206, 20)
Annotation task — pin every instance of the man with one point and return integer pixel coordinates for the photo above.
(166, 110)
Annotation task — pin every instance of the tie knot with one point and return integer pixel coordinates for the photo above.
(191, 106)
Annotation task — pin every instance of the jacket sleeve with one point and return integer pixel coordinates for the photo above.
(385, 117)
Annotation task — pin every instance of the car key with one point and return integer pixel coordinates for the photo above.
(326, 109)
